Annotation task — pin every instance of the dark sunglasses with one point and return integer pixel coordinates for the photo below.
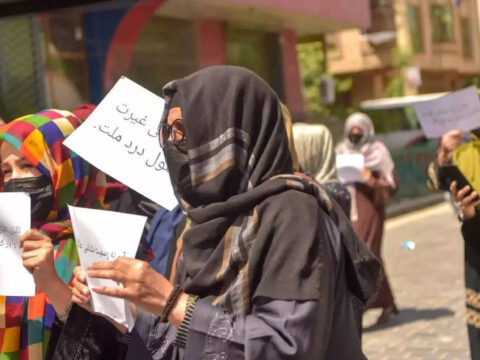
(175, 131)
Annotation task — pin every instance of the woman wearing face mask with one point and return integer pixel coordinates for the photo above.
(33, 160)
(260, 271)
(369, 197)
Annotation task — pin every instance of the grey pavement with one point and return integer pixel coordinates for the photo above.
(428, 286)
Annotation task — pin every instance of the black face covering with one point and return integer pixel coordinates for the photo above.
(355, 138)
(41, 193)
(179, 170)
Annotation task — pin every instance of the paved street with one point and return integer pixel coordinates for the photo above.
(428, 285)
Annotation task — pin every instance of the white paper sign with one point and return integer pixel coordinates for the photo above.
(104, 236)
(120, 138)
(457, 110)
(15, 215)
(349, 168)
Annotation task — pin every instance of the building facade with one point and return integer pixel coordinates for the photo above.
(66, 56)
(412, 47)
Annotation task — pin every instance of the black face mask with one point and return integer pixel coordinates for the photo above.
(41, 193)
(179, 170)
(355, 138)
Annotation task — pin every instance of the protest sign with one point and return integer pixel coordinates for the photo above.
(459, 110)
(15, 215)
(349, 168)
(104, 236)
(120, 138)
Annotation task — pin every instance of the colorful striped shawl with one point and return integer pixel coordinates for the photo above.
(25, 323)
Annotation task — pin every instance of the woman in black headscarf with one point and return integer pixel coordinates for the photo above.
(261, 272)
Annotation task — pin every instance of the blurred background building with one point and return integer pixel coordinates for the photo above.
(325, 59)
(412, 46)
(53, 56)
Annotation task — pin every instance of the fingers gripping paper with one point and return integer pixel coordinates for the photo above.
(15, 280)
(104, 236)
(121, 138)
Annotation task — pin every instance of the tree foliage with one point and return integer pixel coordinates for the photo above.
(312, 67)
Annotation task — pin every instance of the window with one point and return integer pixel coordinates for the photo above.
(257, 51)
(22, 88)
(66, 59)
(165, 51)
(466, 39)
(415, 28)
(441, 17)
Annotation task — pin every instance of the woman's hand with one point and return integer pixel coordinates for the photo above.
(466, 203)
(368, 177)
(81, 294)
(81, 297)
(142, 286)
(449, 142)
(38, 258)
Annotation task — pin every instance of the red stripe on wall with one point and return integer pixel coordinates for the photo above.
(211, 42)
(121, 48)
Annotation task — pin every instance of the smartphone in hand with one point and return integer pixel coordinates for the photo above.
(452, 173)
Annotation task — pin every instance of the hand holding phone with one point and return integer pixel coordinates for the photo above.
(462, 191)
(452, 173)
(466, 199)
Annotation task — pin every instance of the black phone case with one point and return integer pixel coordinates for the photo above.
(453, 173)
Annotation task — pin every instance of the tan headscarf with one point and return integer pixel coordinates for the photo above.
(315, 151)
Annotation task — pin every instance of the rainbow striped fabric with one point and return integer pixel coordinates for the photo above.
(25, 323)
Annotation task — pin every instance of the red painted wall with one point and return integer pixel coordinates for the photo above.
(121, 48)
(211, 42)
(291, 72)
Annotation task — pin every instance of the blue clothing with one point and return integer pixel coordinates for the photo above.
(158, 239)
(160, 235)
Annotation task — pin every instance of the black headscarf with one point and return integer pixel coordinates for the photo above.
(235, 132)
(242, 192)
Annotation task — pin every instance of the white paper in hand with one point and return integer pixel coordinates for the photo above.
(349, 168)
(120, 138)
(103, 236)
(15, 215)
(459, 110)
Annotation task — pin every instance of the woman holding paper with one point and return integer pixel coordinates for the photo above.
(369, 197)
(455, 150)
(260, 273)
(33, 160)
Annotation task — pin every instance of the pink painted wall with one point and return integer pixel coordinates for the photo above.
(353, 12)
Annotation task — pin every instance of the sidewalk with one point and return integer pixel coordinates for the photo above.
(429, 289)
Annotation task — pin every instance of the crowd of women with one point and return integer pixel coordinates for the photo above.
(258, 261)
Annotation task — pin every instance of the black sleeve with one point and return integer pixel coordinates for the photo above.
(470, 228)
(436, 179)
(86, 336)
(340, 194)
